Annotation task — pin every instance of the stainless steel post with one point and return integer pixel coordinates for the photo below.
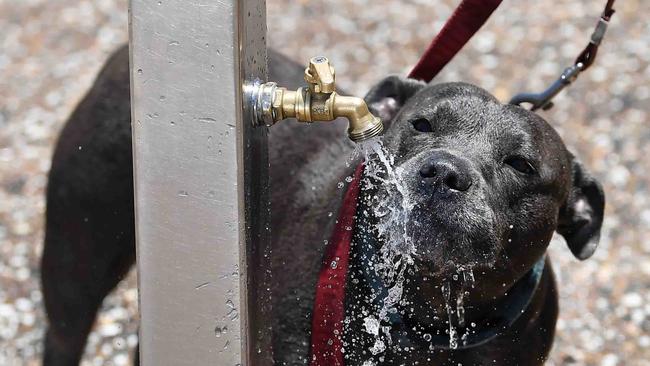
(200, 181)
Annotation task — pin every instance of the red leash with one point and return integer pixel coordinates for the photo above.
(329, 304)
(466, 20)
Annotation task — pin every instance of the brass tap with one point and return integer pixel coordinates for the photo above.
(318, 102)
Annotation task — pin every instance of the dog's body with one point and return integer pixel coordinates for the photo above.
(90, 241)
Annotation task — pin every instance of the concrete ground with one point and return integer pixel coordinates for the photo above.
(50, 52)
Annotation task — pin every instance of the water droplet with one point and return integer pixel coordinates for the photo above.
(219, 331)
(371, 325)
(427, 337)
(378, 347)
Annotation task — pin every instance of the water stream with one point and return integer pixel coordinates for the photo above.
(392, 208)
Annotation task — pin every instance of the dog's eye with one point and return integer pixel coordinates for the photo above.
(421, 125)
(521, 165)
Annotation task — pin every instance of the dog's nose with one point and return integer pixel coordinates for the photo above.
(447, 170)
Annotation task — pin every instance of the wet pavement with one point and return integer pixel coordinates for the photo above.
(50, 52)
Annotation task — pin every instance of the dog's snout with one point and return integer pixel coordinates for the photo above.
(447, 170)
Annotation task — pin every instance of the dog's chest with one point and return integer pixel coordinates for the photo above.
(366, 339)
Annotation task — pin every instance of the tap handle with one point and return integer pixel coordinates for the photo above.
(320, 75)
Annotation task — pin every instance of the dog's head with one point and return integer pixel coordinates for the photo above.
(490, 182)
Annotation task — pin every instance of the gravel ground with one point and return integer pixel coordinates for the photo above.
(50, 52)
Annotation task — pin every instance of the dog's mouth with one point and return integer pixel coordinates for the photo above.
(441, 235)
(447, 241)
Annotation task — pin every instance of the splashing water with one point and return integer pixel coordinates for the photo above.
(396, 254)
(468, 275)
(460, 310)
(453, 334)
(392, 209)
(378, 347)
(372, 325)
(456, 314)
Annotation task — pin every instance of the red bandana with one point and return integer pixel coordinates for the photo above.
(329, 303)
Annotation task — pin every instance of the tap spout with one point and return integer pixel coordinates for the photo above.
(362, 124)
(318, 102)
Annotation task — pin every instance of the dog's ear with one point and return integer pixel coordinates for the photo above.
(581, 217)
(387, 97)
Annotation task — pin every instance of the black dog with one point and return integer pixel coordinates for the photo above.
(490, 184)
